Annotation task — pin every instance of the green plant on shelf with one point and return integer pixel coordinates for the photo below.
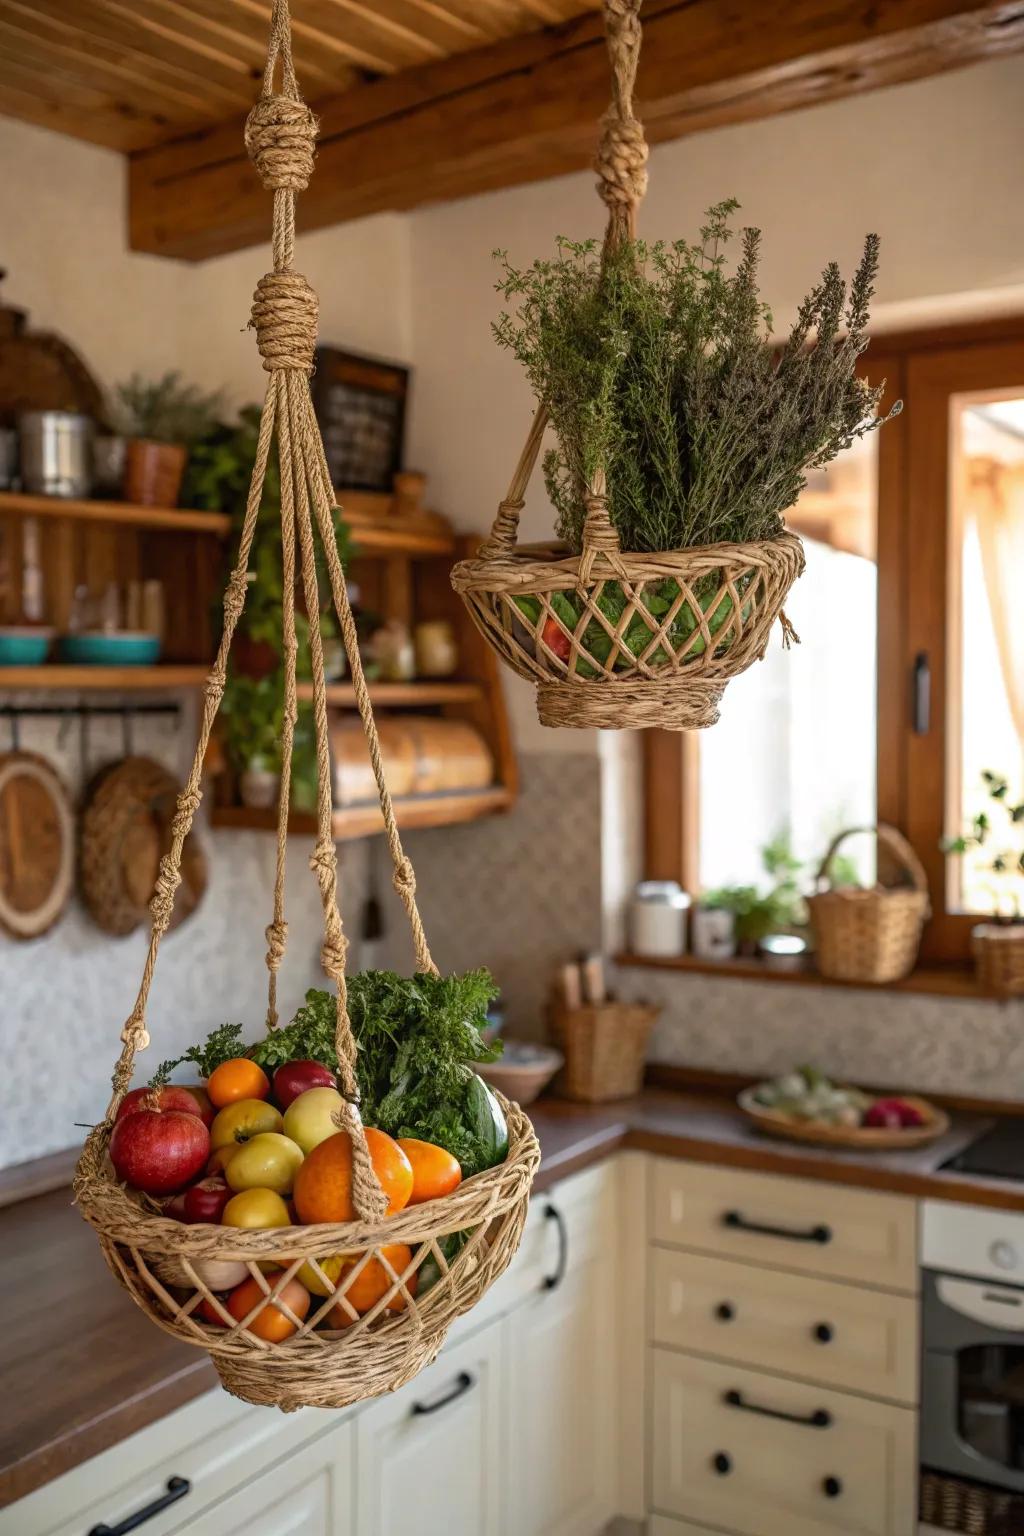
(164, 410)
(779, 908)
(1005, 867)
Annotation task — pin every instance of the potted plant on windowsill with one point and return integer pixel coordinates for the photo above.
(253, 714)
(998, 945)
(160, 420)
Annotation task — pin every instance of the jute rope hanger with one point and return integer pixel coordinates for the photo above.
(280, 137)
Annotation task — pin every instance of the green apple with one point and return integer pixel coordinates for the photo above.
(241, 1121)
(266, 1161)
(309, 1119)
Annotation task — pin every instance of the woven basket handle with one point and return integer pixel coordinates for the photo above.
(889, 838)
(505, 528)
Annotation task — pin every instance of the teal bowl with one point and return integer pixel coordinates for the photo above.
(120, 648)
(24, 646)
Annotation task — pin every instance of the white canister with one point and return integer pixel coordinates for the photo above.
(713, 933)
(658, 918)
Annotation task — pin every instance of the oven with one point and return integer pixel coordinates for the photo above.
(972, 1383)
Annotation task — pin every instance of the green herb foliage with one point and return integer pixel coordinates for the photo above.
(222, 1044)
(165, 410)
(309, 1036)
(1006, 864)
(659, 368)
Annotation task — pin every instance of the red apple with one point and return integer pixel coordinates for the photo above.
(294, 1077)
(159, 1151)
(206, 1200)
(171, 1096)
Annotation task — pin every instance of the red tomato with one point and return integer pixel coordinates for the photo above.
(556, 639)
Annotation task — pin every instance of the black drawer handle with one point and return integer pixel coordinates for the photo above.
(824, 1333)
(722, 1463)
(462, 1384)
(832, 1487)
(816, 1234)
(553, 1281)
(177, 1487)
(725, 1311)
(819, 1419)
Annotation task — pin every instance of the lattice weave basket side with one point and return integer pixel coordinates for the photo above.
(870, 935)
(380, 1292)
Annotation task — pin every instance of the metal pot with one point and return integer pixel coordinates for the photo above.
(56, 453)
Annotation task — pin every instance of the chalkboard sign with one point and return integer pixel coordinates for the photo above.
(360, 406)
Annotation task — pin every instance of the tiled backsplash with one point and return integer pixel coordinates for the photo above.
(897, 1039)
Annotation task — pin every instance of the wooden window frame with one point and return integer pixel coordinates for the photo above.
(922, 367)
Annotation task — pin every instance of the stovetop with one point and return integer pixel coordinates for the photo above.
(997, 1154)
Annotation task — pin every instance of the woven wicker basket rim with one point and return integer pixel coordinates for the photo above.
(551, 567)
(108, 1207)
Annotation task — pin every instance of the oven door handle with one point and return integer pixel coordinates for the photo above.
(996, 1307)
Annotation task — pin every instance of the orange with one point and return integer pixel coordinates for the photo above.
(270, 1323)
(237, 1079)
(373, 1283)
(323, 1184)
(434, 1171)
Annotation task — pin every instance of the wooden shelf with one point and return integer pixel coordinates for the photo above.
(178, 519)
(416, 693)
(376, 530)
(943, 981)
(103, 679)
(441, 810)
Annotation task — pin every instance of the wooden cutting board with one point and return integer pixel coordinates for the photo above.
(37, 845)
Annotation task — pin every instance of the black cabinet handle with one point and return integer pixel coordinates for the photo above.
(816, 1234)
(819, 1419)
(553, 1281)
(832, 1487)
(462, 1384)
(725, 1311)
(722, 1463)
(824, 1333)
(921, 695)
(177, 1487)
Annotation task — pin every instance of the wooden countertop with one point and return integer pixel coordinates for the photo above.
(83, 1368)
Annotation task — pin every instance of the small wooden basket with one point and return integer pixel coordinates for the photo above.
(998, 950)
(953, 1504)
(870, 935)
(604, 1046)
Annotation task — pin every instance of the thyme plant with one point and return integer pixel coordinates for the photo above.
(659, 366)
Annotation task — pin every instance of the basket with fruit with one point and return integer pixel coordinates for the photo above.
(805, 1105)
(322, 1206)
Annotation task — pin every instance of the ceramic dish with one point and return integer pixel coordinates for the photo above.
(119, 648)
(822, 1133)
(522, 1071)
(24, 646)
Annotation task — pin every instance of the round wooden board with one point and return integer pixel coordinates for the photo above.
(865, 1138)
(37, 845)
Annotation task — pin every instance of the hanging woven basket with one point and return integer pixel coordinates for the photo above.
(429, 1263)
(638, 670)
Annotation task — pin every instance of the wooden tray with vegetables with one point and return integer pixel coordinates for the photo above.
(805, 1105)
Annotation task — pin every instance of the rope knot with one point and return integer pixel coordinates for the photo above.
(135, 1032)
(323, 861)
(162, 901)
(280, 140)
(404, 878)
(621, 162)
(333, 952)
(599, 532)
(284, 313)
(189, 802)
(277, 938)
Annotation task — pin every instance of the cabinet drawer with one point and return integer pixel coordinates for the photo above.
(763, 1456)
(823, 1330)
(818, 1229)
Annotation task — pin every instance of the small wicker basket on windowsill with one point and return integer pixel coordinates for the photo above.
(870, 935)
(998, 950)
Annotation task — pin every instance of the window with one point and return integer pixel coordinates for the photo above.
(910, 681)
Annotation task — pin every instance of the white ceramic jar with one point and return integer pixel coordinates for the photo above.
(658, 918)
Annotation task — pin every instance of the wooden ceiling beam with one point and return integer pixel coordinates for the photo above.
(526, 109)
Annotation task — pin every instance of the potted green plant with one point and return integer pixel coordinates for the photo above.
(160, 419)
(998, 944)
(253, 714)
(757, 912)
(683, 435)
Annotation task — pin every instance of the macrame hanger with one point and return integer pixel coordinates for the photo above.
(280, 136)
(621, 165)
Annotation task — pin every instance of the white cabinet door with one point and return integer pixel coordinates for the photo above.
(310, 1494)
(428, 1457)
(560, 1470)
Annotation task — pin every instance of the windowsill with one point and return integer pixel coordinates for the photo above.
(943, 981)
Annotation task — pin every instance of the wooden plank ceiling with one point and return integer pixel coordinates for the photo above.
(132, 74)
(423, 100)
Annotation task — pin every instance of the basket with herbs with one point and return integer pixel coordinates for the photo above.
(321, 1206)
(683, 435)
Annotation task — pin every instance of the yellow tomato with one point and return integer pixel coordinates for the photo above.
(241, 1121)
(256, 1208)
(267, 1161)
(331, 1267)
